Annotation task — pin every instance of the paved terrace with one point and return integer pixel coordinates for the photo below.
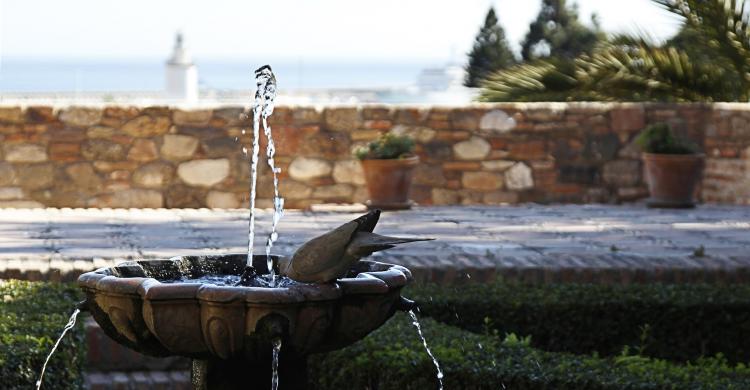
(531, 243)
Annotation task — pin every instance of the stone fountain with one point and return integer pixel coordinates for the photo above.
(190, 306)
(228, 313)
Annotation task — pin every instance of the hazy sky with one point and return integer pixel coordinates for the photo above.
(310, 30)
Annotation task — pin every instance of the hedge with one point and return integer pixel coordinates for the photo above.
(675, 322)
(32, 316)
(393, 358)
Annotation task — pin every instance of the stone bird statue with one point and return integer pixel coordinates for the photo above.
(329, 256)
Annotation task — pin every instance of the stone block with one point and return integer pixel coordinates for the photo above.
(418, 133)
(306, 168)
(220, 147)
(204, 173)
(11, 193)
(24, 153)
(84, 176)
(20, 204)
(11, 115)
(497, 121)
(465, 119)
(143, 150)
(192, 117)
(7, 174)
(519, 177)
(178, 146)
(348, 172)
(294, 190)
(482, 181)
(100, 132)
(628, 119)
(81, 116)
(65, 151)
(153, 175)
(497, 165)
(443, 197)
(181, 196)
(429, 175)
(130, 198)
(342, 118)
(35, 176)
(101, 149)
(475, 148)
(622, 173)
(41, 114)
(146, 126)
(222, 200)
(306, 115)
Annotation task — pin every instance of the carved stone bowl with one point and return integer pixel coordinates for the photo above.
(143, 305)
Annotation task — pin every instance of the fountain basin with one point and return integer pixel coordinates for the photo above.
(143, 305)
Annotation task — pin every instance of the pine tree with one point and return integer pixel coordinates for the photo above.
(556, 32)
(490, 52)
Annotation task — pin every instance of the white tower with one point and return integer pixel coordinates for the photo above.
(181, 74)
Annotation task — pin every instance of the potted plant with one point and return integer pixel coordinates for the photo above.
(388, 164)
(672, 167)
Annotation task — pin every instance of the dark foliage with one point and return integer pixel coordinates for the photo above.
(556, 32)
(676, 322)
(490, 52)
(32, 316)
(393, 358)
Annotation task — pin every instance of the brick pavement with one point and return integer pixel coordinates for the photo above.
(530, 243)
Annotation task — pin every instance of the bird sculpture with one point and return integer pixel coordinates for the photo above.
(328, 257)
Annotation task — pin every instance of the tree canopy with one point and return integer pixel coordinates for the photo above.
(490, 52)
(558, 33)
(708, 60)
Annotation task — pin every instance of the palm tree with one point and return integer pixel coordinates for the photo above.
(708, 61)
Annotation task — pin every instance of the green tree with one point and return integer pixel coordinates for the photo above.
(556, 32)
(490, 52)
(708, 60)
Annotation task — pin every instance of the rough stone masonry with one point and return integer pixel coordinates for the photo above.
(153, 157)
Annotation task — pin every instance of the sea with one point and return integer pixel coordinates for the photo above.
(56, 75)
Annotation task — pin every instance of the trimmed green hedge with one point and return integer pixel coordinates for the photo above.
(32, 315)
(675, 322)
(393, 358)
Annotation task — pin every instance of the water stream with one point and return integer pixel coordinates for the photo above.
(263, 106)
(71, 323)
(415, 322)
(269, 96)
(275, 364)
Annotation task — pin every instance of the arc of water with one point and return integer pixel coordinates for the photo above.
(71, 323)
(416, 324)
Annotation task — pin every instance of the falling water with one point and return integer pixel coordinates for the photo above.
(275, 364)
(71, 323)
(263, 106)
(278, 202)
(415, 322)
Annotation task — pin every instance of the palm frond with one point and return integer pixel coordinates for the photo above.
(725, 23)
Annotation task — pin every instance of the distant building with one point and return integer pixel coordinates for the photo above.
(440, 79)
(444, 85)
(181, 74)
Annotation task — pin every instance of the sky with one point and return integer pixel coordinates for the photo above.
(387, 31)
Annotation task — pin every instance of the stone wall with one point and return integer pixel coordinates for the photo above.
(483, 154)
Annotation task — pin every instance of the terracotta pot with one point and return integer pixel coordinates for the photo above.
(389, 182)
(672, 179)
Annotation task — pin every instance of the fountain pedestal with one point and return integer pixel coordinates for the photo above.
(238, 374)
(228, 330)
